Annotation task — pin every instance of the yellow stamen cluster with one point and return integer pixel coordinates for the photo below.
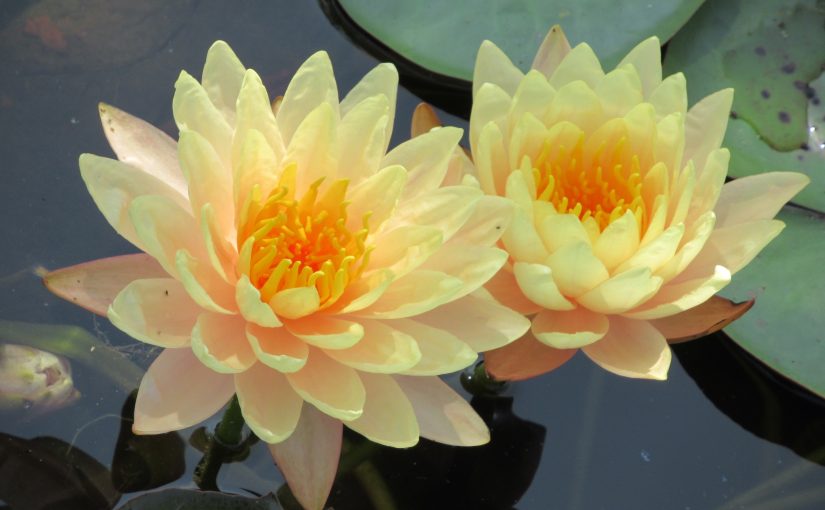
(604, 189)
(288, 242)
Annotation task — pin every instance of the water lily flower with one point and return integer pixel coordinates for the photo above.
(35, 380)
(624, 227)
(293, 261)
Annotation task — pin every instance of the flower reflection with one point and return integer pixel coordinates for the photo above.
(624, 228)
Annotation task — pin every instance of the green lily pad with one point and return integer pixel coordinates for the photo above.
(768, 50)
(784, 328)
(444, 36)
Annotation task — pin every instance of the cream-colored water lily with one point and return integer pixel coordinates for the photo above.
(291, 260)
(624, 228)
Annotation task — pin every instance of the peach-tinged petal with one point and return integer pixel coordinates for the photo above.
(157, 311)
(537, 284)
(576, 103)
(163, 228)
(309, 457)
(705, 125)
(504, 288)
(490, 158)
(551, 52)
(646, 58)
(166, 401)
(141, 145)
(204, 285)
(575, 269)
(525, 358)
(620, 90)
(219, 341)
(709, 317)
(253, 114)
(441, 351)
(522, 240)
(326, 332)
(248, 298)
(681, 295)
(443, 415)
(709, 184)
(388, 417)
(570, 329)
(296, 303)
(559, 230)
(418, 292)
(622, 292)
(426, 159)
(114, 186)
(277, 348)
(253, 168)
(94, 284)
(377, 195)
(222, 254)
(313, 84)
(530, 103)
(424, 119)
(699, 234)
(333, 388)
(618, 242)
(656, 253)
(270, 407)
(632, 349)
(193, 110)
(493, 66)
(757, 197)
(383, 349)
(208, 179)
(222, 78)
(480, 322)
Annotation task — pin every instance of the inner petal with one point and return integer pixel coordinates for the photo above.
(292, 242)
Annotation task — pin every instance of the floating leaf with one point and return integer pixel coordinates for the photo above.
(784, 329)
(768, 52)
(182, 499)
(444, 36)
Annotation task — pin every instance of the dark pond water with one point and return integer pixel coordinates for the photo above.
(721, 433)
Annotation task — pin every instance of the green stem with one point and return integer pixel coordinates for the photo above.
(226, 440)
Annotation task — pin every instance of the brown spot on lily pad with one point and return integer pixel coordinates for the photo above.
(789, 68)
(784, 117)
(766, 93)
(760, 51)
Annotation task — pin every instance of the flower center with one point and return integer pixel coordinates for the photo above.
(602, 183)
(302, 242)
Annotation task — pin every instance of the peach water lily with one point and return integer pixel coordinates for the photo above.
(293, 261)
(624, 228)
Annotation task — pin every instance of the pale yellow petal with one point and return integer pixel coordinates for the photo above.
(632, 349)
(270, 406)
(670, 96)
(222, 254)
(538, 285)
(296, 302)
(522, 240)
(560, 230)
(204, 285)
(576, 103)
(253, 167)
(405, 248)
(473, 265)
(622, 292)
(757, 197)
(619, 91)
(313, 84)
(618, 242)
(646, 58)
(333, 388)
(277, 348)
(490, 158)
(446, 209)
(490, 105)
(575, 269)
(569, 329)
(381, 80)
(494, 66)
(193, 110)
(705, 126)
(222, 78)
(709, 184)
(698, 235)
(326, 332)
(426, 159)
(581, 64)
(362, 138)
(383, 349)
(388, 418)
(376, 196)
(157, 311)
(533, 96)
(208, 179)
(417, 292)
(681, 295)
(735, 246)
(443, 415)
(248, 298)
(253, 112)
(163, 228)
(441, 351)
(219, 341)
(657, 252)
(313, 146)
(504, 288)
(490, 217)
